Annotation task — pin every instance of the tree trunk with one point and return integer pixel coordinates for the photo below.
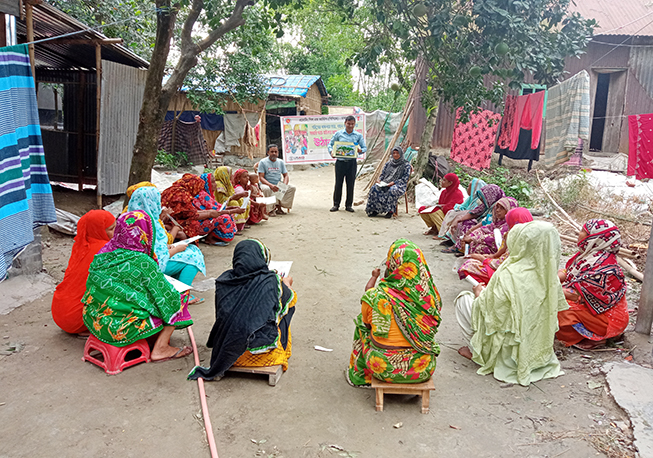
(424, 149)
(152, 115)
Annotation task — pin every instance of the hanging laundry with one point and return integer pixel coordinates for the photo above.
(528, 116)
(640, 146)
(505, 128)
(473, 141)
(568, 118)
(25, 193)
(188, 138)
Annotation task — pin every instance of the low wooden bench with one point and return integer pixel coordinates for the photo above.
(273, 372)
(418, 389)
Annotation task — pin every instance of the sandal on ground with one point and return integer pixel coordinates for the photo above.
(218, 243)
(450, 250)
(182, 353)
(195, 300)
(588, 345)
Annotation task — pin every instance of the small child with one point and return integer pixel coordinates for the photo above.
(258, 212)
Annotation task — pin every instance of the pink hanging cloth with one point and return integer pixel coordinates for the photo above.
(528, 115)
(640, 146)
(473, 142)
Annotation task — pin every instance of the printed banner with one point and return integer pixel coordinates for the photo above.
(306, 138)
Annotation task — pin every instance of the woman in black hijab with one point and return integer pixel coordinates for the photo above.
(253, 309)
(390, 186)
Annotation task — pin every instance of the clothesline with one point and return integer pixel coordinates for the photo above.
(617, 45)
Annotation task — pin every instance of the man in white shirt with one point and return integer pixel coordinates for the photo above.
(274, 181)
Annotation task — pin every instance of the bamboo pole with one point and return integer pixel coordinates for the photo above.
(645, 311)
(623, 252)
(98, 101)
(29, 20)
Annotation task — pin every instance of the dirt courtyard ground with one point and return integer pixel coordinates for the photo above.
(53, 404)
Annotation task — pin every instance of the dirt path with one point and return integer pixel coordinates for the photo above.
(51, 403)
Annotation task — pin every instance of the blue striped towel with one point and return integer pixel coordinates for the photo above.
(25, 193)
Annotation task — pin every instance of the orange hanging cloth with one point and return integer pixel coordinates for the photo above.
(67, 300)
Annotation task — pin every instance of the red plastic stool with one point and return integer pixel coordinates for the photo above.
(115, 359)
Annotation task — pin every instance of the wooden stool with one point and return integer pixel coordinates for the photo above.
(273, 372)
(418, 389)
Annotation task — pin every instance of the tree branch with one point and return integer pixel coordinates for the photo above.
(189, 23)
(235, 20)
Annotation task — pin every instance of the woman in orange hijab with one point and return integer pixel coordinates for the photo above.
(94, 230)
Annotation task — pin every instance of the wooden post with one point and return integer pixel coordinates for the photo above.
(30, 37)
(645, 311)
(98, 100)
(81, 91)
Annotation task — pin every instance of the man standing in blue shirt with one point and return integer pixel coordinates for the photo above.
(346, 168)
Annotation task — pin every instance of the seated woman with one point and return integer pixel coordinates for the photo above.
(242, 181)
(394, 339)
(481, 267)
(197, 212)
(223, 191)
(449, 197)
(595, 289)
(127, 297)
(487, 196)
(481, 238)
(94, 230)
(395, 173)
(511, 324)
(449, 233)
(182, 262)
(253, 309)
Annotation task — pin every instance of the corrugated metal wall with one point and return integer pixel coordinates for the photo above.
(122, 97)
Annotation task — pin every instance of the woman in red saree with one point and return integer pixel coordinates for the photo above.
(450, 196)
(594, 287)
(94, 230)
(197, 211)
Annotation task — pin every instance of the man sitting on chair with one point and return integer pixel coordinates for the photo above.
(274, 181)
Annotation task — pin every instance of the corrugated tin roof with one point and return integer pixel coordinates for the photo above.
(295, 85)
(618, 17)
(50, 22)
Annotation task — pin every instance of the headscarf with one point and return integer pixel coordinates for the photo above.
(223, 187)
(91, 237)
(594, 271)
(395, 169)
(516, 317)
(408, 295)
(451, 195)
(134, 187)
(134, 232)
(473, 199)
(235, 179)
(507, 203)
(179, 197)
(488, 196)
(252, 310)
(149, 201)
(518, 215)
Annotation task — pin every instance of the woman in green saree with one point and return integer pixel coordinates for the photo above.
(395, 331)
(127, 296)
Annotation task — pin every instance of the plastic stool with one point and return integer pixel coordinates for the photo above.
(114, 358)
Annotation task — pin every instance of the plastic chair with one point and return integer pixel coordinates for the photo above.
(114, 359)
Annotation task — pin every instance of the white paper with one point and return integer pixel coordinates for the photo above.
(467, 249)
(471, 280)
(282, 268)
(179, 286)
(430, 209)
(498, 238)
(318, 348)
(266, 200)
(245, 202)
(188, 241)
(383, 184)
(223, 206)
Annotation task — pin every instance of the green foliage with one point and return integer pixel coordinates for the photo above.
(172, 161)
(511, 183)
(132, 20)
(504, 39)
(573, 189)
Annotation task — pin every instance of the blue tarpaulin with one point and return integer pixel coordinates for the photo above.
(210, 121)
